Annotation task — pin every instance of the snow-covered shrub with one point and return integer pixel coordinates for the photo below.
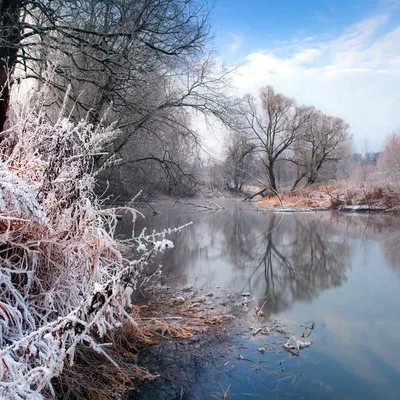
(389, 162)
(62, 276)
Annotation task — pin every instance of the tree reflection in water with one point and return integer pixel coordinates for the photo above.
(280, 259)
(286, 257)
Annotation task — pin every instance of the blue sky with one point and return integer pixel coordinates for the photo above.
(340, 56)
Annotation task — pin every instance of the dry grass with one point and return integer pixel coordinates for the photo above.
(307, 198)
(334, 196)
(94, 377)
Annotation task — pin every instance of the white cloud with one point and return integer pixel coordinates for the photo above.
(355, 76)
(237, 42)
(306, 56)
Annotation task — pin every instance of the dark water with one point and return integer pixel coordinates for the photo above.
(340, 271)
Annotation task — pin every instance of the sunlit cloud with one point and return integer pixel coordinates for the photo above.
(355, 76)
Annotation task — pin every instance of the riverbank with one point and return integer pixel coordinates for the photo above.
(172, 325)
(214, 333)
(344, 197)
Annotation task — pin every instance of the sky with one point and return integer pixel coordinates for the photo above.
(340, 56)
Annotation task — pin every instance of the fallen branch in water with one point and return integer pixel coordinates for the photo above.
(211, 206)
(294, 344)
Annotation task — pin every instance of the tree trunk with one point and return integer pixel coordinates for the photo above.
(4, 98)
(297, 181)
(312, 179)
(10, 36)
(271, 176)
(294, 186)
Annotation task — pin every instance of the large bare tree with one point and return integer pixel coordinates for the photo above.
(320, 147)
(273, 123)
(10, 39)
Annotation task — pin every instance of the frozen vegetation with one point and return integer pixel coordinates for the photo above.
(63, 279)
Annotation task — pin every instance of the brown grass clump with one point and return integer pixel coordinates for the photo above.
(94, 377)
(307, 198)
(335, 196)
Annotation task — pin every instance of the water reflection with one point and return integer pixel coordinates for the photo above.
(288, 258)
(340, 270)
(277, 257)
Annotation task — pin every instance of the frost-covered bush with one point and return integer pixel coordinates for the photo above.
(63, 280)
(389, 162)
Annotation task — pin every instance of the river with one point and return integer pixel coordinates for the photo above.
(337, 272)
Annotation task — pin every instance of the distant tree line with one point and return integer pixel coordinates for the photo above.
(388, 164)
(367, 158)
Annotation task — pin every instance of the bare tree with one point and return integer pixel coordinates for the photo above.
(274, 126)
(146, 59)
(122, 52)
(238, 161)
(165, 161)
(320, 148)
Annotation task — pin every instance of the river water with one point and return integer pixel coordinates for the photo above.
(340, 272)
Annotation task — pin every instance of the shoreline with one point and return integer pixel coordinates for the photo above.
(333, 198)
